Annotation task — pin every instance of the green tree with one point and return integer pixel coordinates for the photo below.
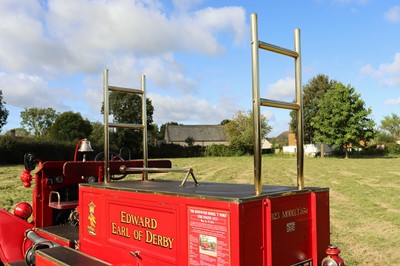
(224, 122)
(240, 131)
(38, 120)
(70, 126)
(3, 111)
(18, 132)
(127, 108)
(280, 141)
(97, 135)
(391, 125)
(190, 141)
(382, 137)
(313, 92)
(342, 119)
(152, 135)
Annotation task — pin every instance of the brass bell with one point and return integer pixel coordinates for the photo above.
(85, 146)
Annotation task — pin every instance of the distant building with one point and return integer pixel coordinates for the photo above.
(266, 144)
(202, 135)
(291, 139)
(312, 150)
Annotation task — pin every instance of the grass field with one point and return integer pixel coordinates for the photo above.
(365, 196)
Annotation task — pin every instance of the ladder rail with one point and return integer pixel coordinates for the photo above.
(277, 49)
(127, 90)
(124, 125)
(145, 169)
(279, 104)
(297, 106)
(108, 125)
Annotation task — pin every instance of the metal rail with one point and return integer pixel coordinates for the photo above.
(189, 171)
(107, 125)
(297, 106)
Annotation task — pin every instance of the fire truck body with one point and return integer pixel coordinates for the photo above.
(162, 223)
(159, 222)
(86, 213)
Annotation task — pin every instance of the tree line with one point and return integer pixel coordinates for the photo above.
(334, 114)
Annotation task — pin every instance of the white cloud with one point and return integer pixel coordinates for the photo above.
(393, 14)
(283, 89)
(39, 44)
(93, 30)
(221, 19)
(388, 74)
(166, 73)
(392, 101)
(268, 114)
(161, 73)
(23, 90)
(22, 46)
(80, 36)
(190, 110)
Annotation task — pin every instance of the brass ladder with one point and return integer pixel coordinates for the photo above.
(123, 169)
(297, 105)
(107, 125)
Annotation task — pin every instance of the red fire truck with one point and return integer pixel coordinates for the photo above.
(87, 212)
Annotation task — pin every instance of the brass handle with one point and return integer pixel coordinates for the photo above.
(136, 254)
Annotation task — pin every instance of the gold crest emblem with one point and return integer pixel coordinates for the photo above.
(92, 219)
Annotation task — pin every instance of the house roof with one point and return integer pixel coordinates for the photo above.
(284, 134)
(179, 133)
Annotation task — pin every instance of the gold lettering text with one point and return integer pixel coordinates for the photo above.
(158, 240)
(140, 221)
(119, 230)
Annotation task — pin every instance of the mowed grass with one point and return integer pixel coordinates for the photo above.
(364, 196)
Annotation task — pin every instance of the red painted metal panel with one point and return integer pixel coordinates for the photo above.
(133, 229)
(252, 231)
(314, 225)
(42, 213)
(123, 227)
(323, 223)
(291, 230)
(162, 230)
(87, 168)
(73, 173)
(12, 233)
(296, 228)
(267, 232)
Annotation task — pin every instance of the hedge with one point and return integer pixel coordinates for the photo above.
(12, 150)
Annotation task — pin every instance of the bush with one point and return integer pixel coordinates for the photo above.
(175, 151)
(372, 151)
(12, 149)
(222, 151)
(393, 148)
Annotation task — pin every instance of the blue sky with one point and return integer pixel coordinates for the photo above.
(195, 54)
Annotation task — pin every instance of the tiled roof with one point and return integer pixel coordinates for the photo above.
(179, 133)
